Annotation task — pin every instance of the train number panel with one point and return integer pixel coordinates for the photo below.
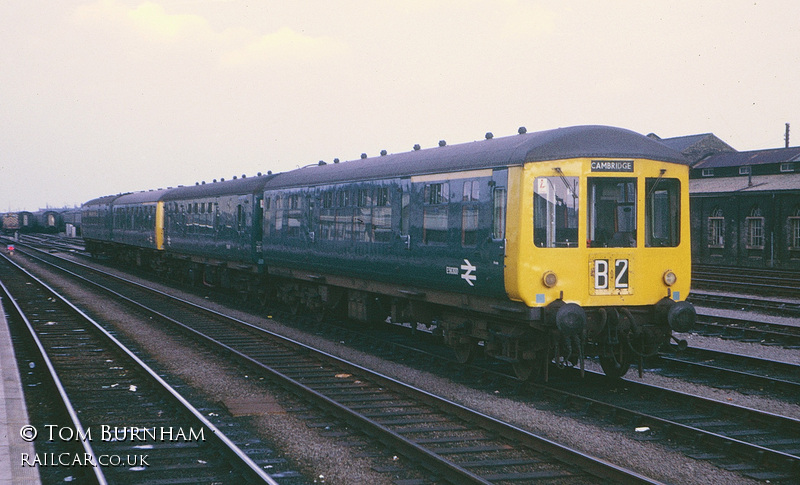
(610, 276)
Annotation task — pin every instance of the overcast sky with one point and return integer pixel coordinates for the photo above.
(108, 96)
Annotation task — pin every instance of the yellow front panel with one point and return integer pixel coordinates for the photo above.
(593, 276)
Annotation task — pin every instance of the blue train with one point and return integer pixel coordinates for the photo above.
(534, 248)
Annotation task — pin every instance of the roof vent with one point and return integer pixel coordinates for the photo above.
(416, 147)
(489, 135)
(322, 162)
(234, 177)
(442, 143)
(269, 172)
(522, 130)
(214, 181)
(197, 183)
(221, 180)
(383, 153)
(203, 182)
(258, 174)
(244, 176)
(363, 155)
(335, 160)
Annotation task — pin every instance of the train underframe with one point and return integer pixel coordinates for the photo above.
(532, 340)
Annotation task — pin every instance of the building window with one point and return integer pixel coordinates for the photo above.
(787, 167)
(708, 172)
(755, 229)
(744, 170)
(794, 230)
(716, 229)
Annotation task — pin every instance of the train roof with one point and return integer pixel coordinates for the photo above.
(244, 185)
(104, 200)
(557, 144)
(144, 197)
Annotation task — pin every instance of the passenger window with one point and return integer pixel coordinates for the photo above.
(611, 220)
(663, 213)
(555, 212)
(469, 226)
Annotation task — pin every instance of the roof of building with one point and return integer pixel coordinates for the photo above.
(681, 143)
(755, 183)
(755, 157)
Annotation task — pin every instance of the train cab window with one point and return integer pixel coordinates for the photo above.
(498, 213)
(662, 212)
(611, 217)
(555, 212)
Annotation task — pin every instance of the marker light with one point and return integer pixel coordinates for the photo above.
(670, 278)
(549, 279)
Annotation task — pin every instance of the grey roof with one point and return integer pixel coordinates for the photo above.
(561, 143)
(141, 197)
(755, 157)
(681, 143)
(755, 183)
(245, 185)
(105, 200)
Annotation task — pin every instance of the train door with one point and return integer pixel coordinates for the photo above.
(405, 213)
(258, 220)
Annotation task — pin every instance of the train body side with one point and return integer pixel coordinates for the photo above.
(423, 232)
(218, 222)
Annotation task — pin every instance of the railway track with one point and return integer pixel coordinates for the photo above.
(749, 280)
(452, 443)
(757, 444)
(725, 370)
(119, 421)
(772, 306)
(748, 330)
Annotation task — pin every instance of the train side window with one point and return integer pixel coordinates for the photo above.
(295, 215)
(611, 218)
(434, 225)
(382, 197)
(662, 212)
(555, 212)
(469, 226)
(436, 194)
(471, 192)
(716, 229)
(499, 213)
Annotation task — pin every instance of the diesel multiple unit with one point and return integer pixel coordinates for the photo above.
(534, 248)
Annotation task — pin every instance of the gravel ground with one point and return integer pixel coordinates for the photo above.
(324, 456)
